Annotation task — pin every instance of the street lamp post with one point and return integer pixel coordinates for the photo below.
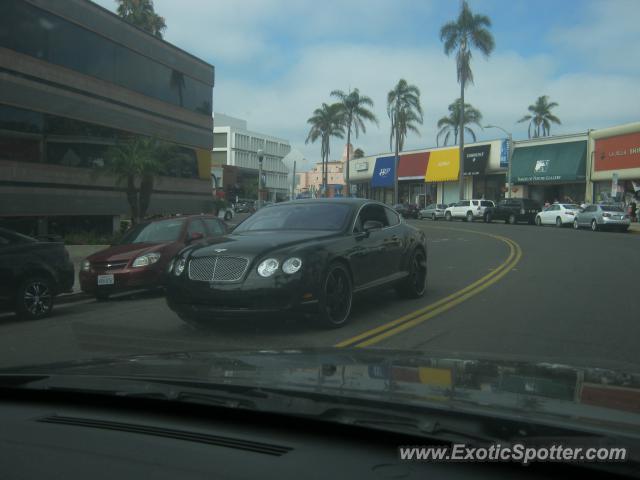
(260, 159)
(509, 156)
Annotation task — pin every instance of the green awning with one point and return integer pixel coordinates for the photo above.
(554, 162)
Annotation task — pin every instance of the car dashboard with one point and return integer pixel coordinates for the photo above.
(63, 435)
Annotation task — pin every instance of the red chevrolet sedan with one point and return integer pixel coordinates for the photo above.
(141, 258)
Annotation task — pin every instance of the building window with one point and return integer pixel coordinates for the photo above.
(19, 149)
(219, 158)
(35, 32)
(219, 140)
(36, 137)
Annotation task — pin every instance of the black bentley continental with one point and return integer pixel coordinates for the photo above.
(309, 256)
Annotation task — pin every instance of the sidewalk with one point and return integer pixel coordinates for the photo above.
(635, 228)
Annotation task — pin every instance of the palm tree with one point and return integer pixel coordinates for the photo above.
(469, 30)
(404, 111)
(354, 111)
(136, 163)
(142, 14)
(358, 153)
(541, 116)
(326, 122)
(449, 126)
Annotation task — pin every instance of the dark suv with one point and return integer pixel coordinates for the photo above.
(513, 210)
(32, 273)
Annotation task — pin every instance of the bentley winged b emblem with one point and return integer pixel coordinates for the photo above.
(219, 250)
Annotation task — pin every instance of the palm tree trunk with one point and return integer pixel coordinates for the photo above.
(322, 159)
(325, 163)
(327, 154)
(132, 199)
(346, 187)
(395, 171)
(461, 130)
(146, 189)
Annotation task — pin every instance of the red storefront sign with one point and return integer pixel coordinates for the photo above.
(412, 166)
(616, 153)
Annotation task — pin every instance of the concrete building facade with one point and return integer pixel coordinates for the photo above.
(76, 80)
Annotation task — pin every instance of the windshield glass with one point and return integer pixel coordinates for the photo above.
(156, 232)
(298, 217)
(326, 189)
(611, 208)
(10, 237)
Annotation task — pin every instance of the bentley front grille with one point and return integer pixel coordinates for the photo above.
(217, 269)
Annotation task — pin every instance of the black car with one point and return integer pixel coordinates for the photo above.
(513, 210)
(245, 207)
(301, 256)
(407, 210)
(32, 273)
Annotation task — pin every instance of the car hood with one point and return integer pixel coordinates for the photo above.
(255, 242)
(558, 393)
(127, 251)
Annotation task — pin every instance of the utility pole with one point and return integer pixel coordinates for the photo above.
(293, 181)
(260, 159)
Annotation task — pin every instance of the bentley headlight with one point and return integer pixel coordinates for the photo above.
(268, 267)
(178, 266)
(292, 265)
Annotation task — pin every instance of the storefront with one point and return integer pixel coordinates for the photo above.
(443, 170)
(486, 164)
(615, 165)
(551, 169)
(383, 179)
(411, 185)
(360, 174)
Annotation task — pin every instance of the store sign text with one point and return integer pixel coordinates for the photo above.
(534, 178)
(618, 152)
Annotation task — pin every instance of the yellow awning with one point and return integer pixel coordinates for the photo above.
(443, 166)
(438, 377)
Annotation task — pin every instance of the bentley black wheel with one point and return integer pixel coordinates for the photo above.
(337, 297)
(415, 284)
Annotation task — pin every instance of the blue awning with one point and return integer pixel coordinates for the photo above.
(384, 172)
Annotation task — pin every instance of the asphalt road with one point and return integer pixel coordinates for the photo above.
(494, 290)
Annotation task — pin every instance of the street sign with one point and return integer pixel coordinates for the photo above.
(504, 153)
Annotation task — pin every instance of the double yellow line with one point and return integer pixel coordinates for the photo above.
(376, 335)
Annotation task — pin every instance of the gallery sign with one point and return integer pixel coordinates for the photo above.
(617, 153)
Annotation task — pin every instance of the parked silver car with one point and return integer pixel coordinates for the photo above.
(600, 217)
(433, 211)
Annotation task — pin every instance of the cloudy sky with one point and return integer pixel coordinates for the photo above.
(277, 60)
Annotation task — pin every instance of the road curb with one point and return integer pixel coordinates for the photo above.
(72, 297)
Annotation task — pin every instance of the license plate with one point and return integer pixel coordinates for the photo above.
(105, 280)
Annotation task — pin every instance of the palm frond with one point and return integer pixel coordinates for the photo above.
(470, 132)
(554, 119)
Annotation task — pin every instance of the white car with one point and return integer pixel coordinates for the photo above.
(467, 209)
(558, 214)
